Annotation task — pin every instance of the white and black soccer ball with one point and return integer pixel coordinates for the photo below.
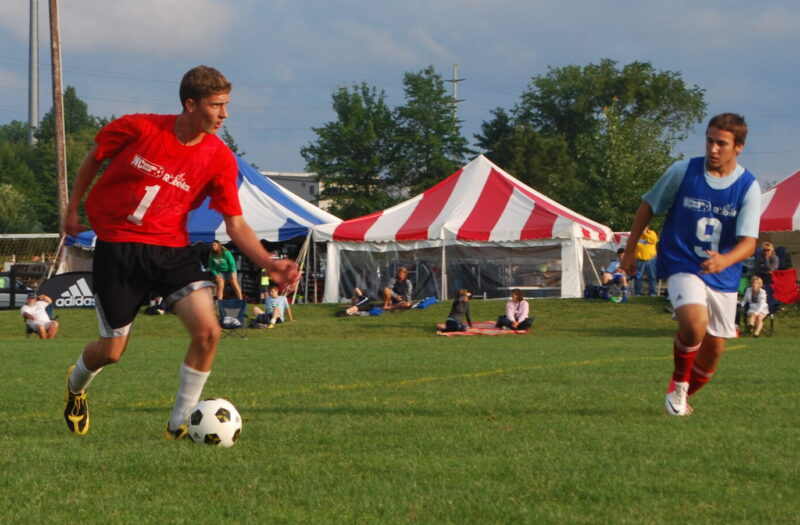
(215, 422)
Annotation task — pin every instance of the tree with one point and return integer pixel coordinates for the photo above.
(76, 117)
(16, 214)
(621, 151)
(428, 142)
(538, 160)
(351, 155)
(609, 122)
(31, 170)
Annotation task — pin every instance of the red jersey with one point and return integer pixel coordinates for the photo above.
(154, 181)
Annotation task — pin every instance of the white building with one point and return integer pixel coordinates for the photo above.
(301, 184)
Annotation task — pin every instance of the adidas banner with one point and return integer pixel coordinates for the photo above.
(69, 290)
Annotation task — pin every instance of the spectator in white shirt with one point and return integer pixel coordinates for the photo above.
(36, 317)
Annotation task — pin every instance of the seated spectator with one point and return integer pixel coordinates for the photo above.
(766, 262)
(517, 313)
(397, 294)
(613, 273)
(358, 303)
(459, 313)
(157, 306)
(755, 300)
(36, 317)
(276, 305)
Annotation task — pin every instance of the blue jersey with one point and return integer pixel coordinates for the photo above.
(702, 218)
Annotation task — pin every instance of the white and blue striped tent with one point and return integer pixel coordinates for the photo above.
(274, 213)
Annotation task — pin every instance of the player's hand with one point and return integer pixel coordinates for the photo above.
(628, 263)
(71, 223)
(284, 272)
(715, 263)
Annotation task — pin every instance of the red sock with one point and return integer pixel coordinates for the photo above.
(699, 378)
(684, 359)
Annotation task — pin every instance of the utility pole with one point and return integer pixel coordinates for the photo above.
(58, 109)
(33, 73)
(455, 82)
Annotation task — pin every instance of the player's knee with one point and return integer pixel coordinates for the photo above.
(207, 336)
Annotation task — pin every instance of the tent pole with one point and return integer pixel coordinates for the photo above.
(302, 258)
(444, 273)
(591, 262)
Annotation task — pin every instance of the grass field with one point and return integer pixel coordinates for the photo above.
(378, 420)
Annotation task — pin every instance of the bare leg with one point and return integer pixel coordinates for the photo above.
(235, 286)
(52, 330)
(220, 282)
(196, 311)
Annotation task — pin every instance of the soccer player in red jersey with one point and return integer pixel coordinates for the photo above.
(160, 168)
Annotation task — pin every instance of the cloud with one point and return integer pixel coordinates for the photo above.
(428, 41)
(776, 22)
(369, 42)
(156, 27)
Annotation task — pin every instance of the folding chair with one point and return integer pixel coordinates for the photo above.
(233, 317)
(785, 290)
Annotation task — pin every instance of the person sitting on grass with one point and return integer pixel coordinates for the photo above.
(517, 313)
(360, 302)
(459, 313)
(276, 305)
(397, 295)
(755, 300)
(36, 317)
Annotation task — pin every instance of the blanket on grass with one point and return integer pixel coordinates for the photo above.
(481, 328)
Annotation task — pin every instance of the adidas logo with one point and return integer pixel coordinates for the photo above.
(79, 294)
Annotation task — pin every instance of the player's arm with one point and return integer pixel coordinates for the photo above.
(282, 271)
(71, 223)
(747, 223)
(640, 221)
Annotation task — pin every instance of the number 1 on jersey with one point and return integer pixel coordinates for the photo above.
(149, 194)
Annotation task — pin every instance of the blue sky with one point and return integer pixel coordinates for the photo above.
(286, 58)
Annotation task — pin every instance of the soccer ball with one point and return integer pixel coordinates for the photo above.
(215, 422)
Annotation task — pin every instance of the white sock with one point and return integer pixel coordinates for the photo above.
(191, 387)
(81, 376)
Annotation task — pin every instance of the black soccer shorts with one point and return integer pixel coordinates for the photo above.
(125, 273)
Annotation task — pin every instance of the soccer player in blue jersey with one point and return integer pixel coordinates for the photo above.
(713, 207)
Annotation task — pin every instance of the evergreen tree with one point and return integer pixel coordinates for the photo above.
(351, 154)
(428, 142)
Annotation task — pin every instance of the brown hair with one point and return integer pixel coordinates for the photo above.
(202, 81)
(733, 123)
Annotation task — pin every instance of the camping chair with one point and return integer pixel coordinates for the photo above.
(785, 290)
(51, 313)
(769, 320)
(233, 317)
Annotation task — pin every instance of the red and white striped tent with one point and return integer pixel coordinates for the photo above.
(479, 206)
(780, 206)
(780, 216)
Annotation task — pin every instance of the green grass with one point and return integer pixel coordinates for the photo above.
(378, 420)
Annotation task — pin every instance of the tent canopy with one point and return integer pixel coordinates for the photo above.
(480, 228)
(780, 206)
(479, 202)
(274, 213)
